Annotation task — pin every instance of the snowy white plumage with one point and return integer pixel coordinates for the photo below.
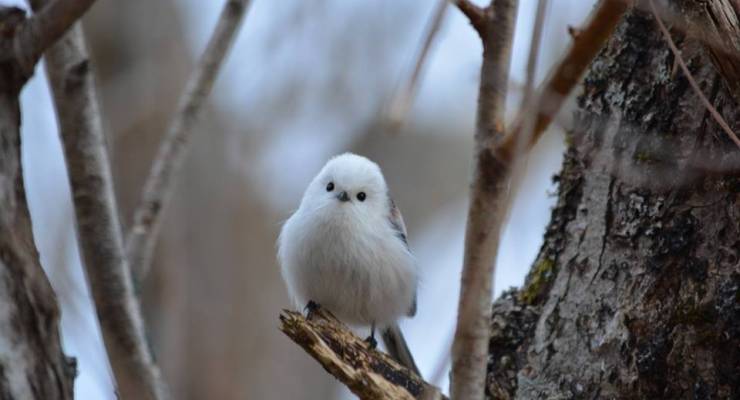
(345, 247)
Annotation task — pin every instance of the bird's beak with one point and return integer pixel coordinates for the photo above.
(343, 196)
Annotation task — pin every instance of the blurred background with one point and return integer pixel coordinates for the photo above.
(305, 80)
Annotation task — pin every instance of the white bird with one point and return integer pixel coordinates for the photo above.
(345, 248)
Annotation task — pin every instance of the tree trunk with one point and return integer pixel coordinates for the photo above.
(636, 290)
(32, 364)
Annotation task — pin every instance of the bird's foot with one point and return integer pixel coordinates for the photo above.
(310, 308)
(371, 342)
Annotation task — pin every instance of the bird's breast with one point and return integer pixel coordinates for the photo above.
(355, 268)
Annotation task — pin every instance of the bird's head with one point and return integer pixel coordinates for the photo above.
(350, 184)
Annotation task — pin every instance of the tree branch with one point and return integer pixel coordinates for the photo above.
(99, 230)
(369, 373)
(487, 208)
(566, 74)
(160, 183)
(401, 103)
(494, 157)
(534, 49)
(49, 22)
(475, 14)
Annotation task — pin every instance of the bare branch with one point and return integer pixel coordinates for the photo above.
(475, 14)
(99, 230)
(49, 22)
(160, 183)
(401, 103)
(369, 373)
(528, 103)
(534, 51)
(677, 54)
(567, 72)
(528, 98)
(487, 209)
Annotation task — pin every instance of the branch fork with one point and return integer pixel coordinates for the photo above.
(477, 16)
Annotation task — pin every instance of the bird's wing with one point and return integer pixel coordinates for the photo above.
(396, 220)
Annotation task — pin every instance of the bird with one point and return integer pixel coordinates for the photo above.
(345, 249)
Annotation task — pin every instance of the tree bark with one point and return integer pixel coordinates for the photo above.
(487, 207)
(369, 373)
(636, 290)
(98, 229)
(32, 364)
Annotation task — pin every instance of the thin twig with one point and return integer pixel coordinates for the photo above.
(567, 73)
(528, 102)
(520, 153)
(402, 101)
(534, 51)
(367, 372)
(49, 22)
(487, 208)
(160, 183)
(695, 86)
(99, 230)
(475, 14)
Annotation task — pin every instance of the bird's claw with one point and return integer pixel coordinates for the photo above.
(310, 308)
(371, 342)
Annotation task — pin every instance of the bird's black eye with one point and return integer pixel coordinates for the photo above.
(330, 187)
(361, 196)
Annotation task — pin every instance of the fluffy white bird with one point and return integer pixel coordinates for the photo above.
(345, 248)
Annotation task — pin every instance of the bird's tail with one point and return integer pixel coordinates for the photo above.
(397, 347)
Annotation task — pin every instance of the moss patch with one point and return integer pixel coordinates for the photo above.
(539, 278)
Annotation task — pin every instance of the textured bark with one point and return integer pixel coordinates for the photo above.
(369, 373)
(635, 290)
(32, 364)
(96, 213)
(487, 207)
(717, 24)
(43, 28)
